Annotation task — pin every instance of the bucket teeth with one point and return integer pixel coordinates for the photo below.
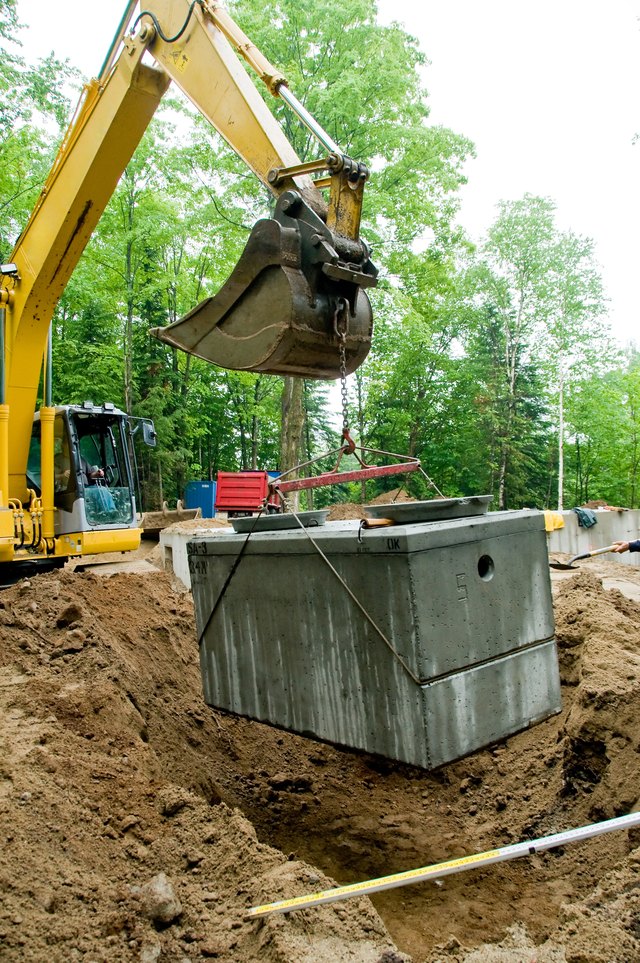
(276, 312)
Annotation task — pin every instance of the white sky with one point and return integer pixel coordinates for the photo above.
(547, 91)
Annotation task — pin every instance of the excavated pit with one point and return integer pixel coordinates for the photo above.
(113, 771)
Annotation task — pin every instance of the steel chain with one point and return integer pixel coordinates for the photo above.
(340, 324)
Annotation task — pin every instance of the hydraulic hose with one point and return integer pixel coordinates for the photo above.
(158, 28)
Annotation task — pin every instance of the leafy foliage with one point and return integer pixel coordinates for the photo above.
(33, 110)
(490, 365)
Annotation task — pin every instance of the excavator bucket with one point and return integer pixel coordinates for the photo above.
(295, 296)
(152, 523)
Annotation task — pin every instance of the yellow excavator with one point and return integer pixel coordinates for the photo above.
(295, 304)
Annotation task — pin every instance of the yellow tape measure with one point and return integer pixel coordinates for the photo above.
(369, 886)
(438, 870)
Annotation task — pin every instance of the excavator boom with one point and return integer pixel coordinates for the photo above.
(296, 303)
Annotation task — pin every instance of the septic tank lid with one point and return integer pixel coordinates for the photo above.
(432, 510)
(278, 522)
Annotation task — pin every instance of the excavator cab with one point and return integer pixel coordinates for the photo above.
(93, 480)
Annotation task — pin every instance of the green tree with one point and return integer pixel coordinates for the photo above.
(503, 422)
(543, 290)
(603, 436)
(510, 277)
(33, 110)
(378, 116)
(577, 340)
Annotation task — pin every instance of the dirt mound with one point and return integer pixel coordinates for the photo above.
(138, 824)
(592, 775)
(197, 525)
(345, 510)
(116, 844)
(395, 495)
(599, 503)
(348, 510)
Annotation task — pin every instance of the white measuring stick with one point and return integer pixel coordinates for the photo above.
(448, 868)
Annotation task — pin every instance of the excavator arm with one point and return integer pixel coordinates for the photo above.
(295, 304)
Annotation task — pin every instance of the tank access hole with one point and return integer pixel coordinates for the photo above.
(486, 568)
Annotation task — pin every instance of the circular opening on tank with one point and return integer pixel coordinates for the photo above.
(486, 568)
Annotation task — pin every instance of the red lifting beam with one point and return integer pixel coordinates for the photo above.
(337, 477)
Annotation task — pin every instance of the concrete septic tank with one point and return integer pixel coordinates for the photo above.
(464, 605)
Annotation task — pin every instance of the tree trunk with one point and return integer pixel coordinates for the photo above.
(308, 450)
(292, 429)
(129, 281)
(561, 443)
(128, 337)
(361, 428)
(255, 424)
(502, 475)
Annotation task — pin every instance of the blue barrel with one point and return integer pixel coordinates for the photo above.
(202, 495)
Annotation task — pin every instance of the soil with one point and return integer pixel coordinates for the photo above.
(137, 824)
(347, 510)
